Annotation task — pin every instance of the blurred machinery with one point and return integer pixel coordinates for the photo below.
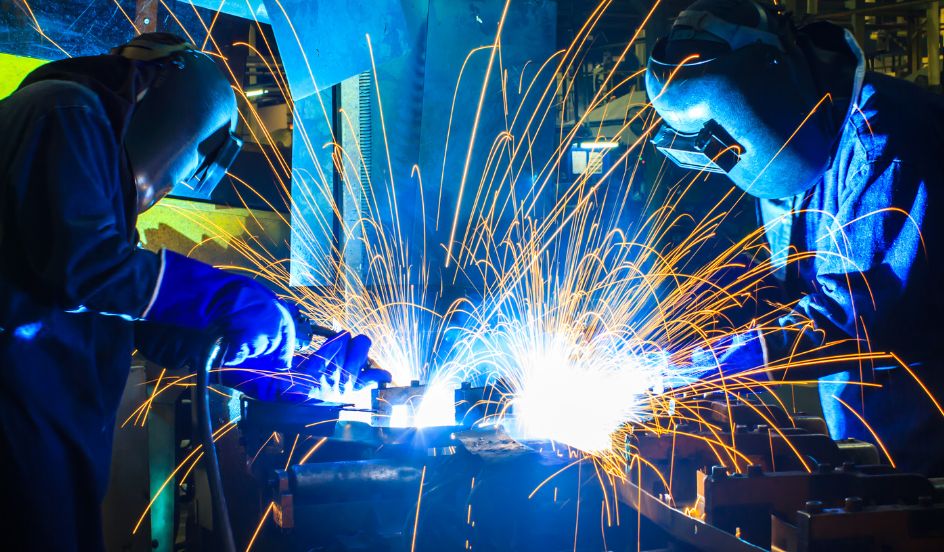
(784, 487)
(321, 484)
(324, 484)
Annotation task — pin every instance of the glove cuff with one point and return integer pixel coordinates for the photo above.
(186, 291)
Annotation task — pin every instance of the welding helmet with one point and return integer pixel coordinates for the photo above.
(736, 96)
(180, 136)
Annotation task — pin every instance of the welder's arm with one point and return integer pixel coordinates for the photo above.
(341, 359)
(254, 324)
(77, 230)
(66, 199)
(873, 250)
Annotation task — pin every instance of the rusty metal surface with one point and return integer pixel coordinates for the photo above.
(145, 16)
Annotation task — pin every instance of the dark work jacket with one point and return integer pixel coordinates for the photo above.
(71, 280)
(875, 280)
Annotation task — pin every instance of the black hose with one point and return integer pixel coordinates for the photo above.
(222, 529)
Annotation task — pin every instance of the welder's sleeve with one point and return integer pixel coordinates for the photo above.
(71, 216)
(254, 324)
(873, 248)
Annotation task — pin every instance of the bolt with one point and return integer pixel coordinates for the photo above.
(848, 466)
(925, 501)
(824, 468)
(755, 470)
(813, 506)
(719, 472)
(853, 504)
(414, 383)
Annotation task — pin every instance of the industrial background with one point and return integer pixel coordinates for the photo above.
(308, 73)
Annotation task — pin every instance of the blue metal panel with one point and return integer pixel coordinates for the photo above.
(83, 28)
(247, 9)
(312, 184)
(78, 27)
(323, 43)
(418, 65)
(455, 29)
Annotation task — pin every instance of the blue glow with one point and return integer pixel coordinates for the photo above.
(27, 332)
(234, 406)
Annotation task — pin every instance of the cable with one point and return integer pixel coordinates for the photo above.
(201, 404)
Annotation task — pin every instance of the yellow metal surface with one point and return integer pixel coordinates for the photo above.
(214, 234)
(13, 69)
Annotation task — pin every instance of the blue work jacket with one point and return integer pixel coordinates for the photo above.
(874, 281)
(69, 255)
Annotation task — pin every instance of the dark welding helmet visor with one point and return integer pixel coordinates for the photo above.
(180, 137)
(749, 113)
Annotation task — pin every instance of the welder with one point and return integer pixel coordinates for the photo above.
(88, 144)
(847, 169)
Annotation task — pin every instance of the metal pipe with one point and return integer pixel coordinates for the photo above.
(352, 481)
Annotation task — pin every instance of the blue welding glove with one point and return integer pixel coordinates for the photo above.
(337, 362)
(255, 326)
(177, 348)
(343, 357)
(731, 355)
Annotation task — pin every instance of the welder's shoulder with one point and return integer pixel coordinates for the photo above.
(896, 121)
(44, 98)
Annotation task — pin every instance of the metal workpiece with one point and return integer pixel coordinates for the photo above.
(477, 404)
(789, 488)
(489, 494)
(264, 417)
(682, 530)
(911, 527)
(351, 480)
(690, 450)
(397, 465)
(393, 405)
(744, 504)
(858, 452)
(353, 486)
(474, 405)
